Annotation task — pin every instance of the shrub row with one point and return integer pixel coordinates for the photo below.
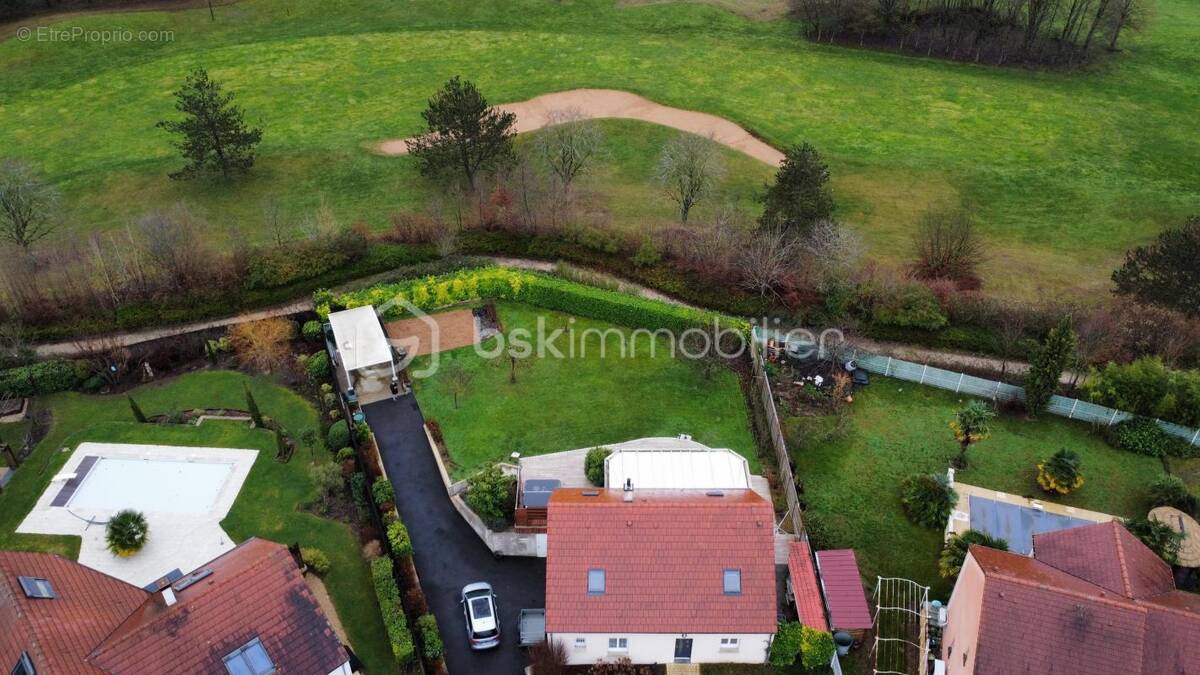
(1147, 387)
(394, 621)
(47, 377)
(1143, 436)
(536, 289)
(287, 263)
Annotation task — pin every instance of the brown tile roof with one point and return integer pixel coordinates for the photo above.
(57, 633)
(1066, 623)
(255, 590)
(803, 573)
(663, 555)
(843, 588)
(1107, 555)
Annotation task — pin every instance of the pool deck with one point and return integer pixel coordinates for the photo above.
(176, 540)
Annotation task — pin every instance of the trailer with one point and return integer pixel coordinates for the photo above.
(531, 626)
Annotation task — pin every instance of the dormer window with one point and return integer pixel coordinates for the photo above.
(732, 580)
(250, 659)
(36, 587)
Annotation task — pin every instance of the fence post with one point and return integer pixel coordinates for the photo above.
(1074, 405)
(923, 371)
(887, 370)
(958, 388)
(996, 393)
(1196, 437)
(1113, 418)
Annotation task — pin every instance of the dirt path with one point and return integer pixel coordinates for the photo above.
(611, 103)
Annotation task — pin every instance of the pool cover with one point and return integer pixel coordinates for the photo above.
(1016, 524)
(160, 486)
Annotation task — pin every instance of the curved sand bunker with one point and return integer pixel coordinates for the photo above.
(610, 103)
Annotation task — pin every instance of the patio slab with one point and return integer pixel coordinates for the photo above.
(182, 538)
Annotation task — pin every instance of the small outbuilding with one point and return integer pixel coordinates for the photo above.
(365, 360)
(675, 464)
(842, 587)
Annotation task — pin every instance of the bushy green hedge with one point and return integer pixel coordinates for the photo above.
(535, 289)
(594, 465)
(1143, 436)
(47, 377)
(1147, 387)
(382, 491)
(786, 645)
(273, 266)
(431, 639)
(316, 560)
(318, 367)
(401, 543)
(388, 595)
(338, 435)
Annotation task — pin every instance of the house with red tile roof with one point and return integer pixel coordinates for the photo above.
(247, 612)
(660, 576)
(1091, 599)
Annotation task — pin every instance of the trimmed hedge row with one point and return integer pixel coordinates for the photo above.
(47, 377)
(394, 621)
(536, 289)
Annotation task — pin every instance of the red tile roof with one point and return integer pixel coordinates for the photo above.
(57, 633)
(255, 590)
(809, 603)
(1107, 555)
(664, 555)
(1066, 623)
(843, 588)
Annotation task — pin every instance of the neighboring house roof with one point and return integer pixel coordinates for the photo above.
(671, 463)
(359, 338)
(664, 556)
(803, 574)
(58, 632)
(844, 594)
(254, 591)
(1086, 610)
(1107, 555)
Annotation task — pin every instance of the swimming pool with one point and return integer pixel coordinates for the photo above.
(1017, 524)
(150, 485)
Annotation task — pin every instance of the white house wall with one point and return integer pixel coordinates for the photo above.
(660, 647)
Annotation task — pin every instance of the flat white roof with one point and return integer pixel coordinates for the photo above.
(359, 338)
(666, 464)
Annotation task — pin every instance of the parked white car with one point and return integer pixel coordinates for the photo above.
(481, 615)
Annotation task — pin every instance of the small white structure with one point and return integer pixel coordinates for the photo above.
(363, 352)
(675, 464)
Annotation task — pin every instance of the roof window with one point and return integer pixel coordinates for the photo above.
(596, 582)
(250, 659)
(35, 587)
(732, 580)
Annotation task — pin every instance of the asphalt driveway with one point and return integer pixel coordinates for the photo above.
(448, 553)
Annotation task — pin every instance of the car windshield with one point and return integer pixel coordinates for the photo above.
(481, 608)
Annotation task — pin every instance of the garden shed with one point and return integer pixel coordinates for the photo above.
(843, 590)
(365, 358)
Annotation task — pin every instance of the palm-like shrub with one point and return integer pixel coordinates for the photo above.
(1060, 474)
(1158, 537)
(126, 532)
(954, 553)
(970, 425)
(928, 499)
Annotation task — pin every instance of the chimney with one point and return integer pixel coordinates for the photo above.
(168, 596)
(628, 489)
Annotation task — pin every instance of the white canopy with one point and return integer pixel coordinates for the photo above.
(666, 464)
(359, 338)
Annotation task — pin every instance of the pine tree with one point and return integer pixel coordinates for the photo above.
(465, 134)
(252, 407)
(137, 410)
(800, 195)
(214, 133)
(1047, 366)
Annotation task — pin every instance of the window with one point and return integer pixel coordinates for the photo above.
(250, 659)
(595, 582)
(24, 666)
(580, 643)
(729, 644)
(36, 588)
(618, 644)
(733, 582)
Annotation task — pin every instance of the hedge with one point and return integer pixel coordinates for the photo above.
(392, 611)
(431, 639)
(536, 289)
(1147, 387)
(47, 377)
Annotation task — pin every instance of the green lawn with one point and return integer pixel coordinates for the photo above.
(901, 428)
(563, 404)
(1068, 169)
(266, 507)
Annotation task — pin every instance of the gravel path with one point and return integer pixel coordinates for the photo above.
(611, 103)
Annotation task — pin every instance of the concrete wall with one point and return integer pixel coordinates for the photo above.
(660, 647)
(962, 627)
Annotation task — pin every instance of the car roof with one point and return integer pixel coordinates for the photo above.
(483, 613)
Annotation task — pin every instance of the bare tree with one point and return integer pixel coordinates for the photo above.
(568, 143)
(1010, 333)
(833, 253)
(28, 205)
(263, 344)
(688, 169)
(946, 246)
(458, 380)
(769, 261)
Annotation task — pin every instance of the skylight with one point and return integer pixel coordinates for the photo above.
(733, 582)
(35, 587)
(250, 659)
(596, 581)
(24, 666)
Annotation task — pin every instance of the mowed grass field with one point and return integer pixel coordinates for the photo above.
(1067, 169)
(899, 428)
(593, 398)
